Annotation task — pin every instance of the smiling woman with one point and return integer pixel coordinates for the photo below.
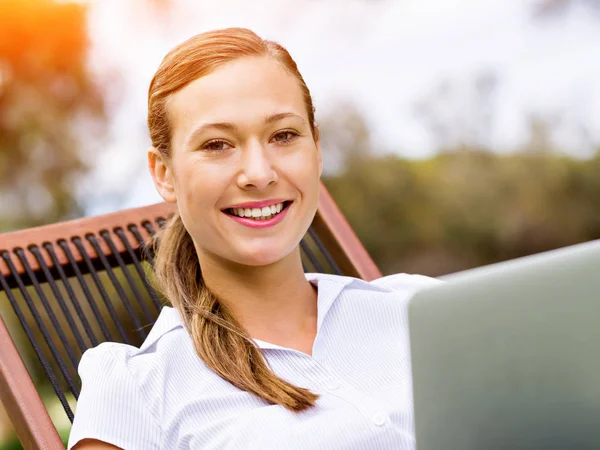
(254, 353)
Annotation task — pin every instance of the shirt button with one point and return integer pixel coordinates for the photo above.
(333, 384)
(379, 419)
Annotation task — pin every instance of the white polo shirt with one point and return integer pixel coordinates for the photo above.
(163, 396)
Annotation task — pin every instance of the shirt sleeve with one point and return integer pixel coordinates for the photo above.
(111, 407)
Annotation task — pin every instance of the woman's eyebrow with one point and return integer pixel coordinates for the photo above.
(227, 126)
(279, 116)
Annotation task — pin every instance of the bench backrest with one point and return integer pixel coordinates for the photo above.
(69, 286)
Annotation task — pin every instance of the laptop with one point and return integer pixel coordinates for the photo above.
(507, 356)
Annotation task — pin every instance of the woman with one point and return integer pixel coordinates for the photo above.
(254, 353)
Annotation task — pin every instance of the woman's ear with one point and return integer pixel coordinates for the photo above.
(318, 145)
(162, 175)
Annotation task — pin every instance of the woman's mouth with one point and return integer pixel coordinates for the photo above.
(259, 214)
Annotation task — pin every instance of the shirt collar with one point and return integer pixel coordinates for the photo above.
(167, 320)
(329, 288)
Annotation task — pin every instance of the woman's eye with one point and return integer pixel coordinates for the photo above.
(284, 136)
(216, 145)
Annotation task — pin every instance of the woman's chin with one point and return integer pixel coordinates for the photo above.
(261, 260)
(262, 257)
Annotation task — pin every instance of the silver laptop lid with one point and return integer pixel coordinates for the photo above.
(508, 356)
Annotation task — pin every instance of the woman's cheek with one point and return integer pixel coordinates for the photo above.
(303, 161)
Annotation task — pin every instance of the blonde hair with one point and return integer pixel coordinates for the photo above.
(220, 341)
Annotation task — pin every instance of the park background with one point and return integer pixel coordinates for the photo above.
(455, 133)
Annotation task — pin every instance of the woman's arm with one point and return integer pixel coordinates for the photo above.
(94, 444)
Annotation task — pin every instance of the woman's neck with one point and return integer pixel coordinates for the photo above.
(273, 303)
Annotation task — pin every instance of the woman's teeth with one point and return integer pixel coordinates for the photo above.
(258, 213)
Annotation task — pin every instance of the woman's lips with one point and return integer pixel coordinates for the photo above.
(267, 223)
(258, 204)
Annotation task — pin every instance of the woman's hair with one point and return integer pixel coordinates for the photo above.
(218, 338)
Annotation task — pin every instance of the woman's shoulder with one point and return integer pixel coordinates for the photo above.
(404, 281)
(122, 385)
(167, 324)
(389, 283)
(113, 406)
(145, 367)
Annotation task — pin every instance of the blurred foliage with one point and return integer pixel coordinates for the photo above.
(12, 444)
(48, 100)
(467, 206)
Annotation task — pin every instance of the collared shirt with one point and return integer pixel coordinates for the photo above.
(163, 396)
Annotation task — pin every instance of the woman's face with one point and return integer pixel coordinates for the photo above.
(242, 146)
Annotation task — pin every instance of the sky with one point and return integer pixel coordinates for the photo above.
(384, 56)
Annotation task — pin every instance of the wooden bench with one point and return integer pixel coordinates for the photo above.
(75, 284)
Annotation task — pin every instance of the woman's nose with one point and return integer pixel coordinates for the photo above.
(257, 171)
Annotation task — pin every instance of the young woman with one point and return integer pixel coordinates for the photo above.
(254, 354)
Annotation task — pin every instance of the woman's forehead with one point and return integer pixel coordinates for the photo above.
(250, 86)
